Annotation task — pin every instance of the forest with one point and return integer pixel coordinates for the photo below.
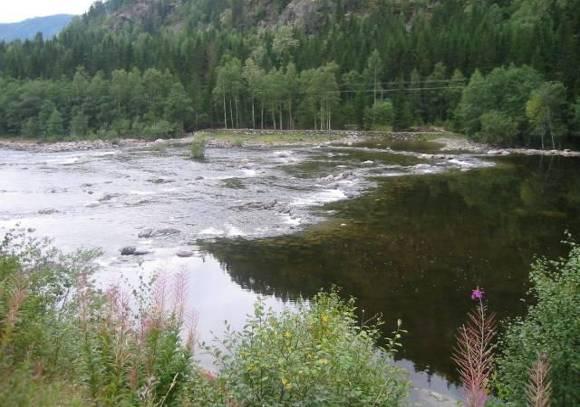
(503, 72)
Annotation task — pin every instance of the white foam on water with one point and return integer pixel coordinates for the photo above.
(211, 231)
(234, 232)
(64, 161)
(290, 220)
(141, 193)
(464, 164)
(283, 153)
(319, 198)
(250, 172)
(102, 153)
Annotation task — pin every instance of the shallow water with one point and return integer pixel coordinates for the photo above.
(406, 232)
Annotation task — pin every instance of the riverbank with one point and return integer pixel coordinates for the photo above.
(224, 138)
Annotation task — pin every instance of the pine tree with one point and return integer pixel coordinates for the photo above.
(54, 125)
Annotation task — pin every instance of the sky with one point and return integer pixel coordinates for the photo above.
(17, 10)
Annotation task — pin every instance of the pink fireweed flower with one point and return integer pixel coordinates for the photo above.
(477, 294)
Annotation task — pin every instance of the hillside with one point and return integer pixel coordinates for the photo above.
(27, 29)
(311, 15)
(303, 64)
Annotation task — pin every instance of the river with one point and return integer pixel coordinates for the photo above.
(405, 228)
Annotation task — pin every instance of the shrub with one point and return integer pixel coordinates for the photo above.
(379, 116)
(497, 128)
(198, 148)
(552, 328)
(158, 129)
(313, 356)
(36, 304)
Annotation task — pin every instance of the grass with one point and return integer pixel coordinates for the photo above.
(270, 137)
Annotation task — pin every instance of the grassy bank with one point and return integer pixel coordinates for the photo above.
(271, 137)
(235, 137)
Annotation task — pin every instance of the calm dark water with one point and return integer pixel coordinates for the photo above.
(415, 246)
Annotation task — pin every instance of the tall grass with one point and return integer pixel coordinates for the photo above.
(539, 389)
(474, 354)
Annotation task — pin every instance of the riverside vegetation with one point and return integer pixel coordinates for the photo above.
(64, 342)
(500, 71)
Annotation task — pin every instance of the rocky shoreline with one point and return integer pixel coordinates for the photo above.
(449, 143)
(462, 144)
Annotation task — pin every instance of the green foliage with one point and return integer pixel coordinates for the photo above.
(198, 148)
(379, 116)
(576, 115)
(175, 61)
(551, 327)
(503, 94)
(79, 125)
(316, 355)
(54, 125)
(546, 112)
(497, 128)
(62, 342)
(150, 104)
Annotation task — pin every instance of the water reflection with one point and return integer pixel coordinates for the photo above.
(414, 247)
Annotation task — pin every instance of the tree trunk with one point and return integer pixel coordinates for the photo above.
(225, 112)
(237, 113)
(551, 130)
(253, 114)
(281, 121)
(232, 114)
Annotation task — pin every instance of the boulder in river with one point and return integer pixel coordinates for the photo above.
(108, 197)
(166, 232)
(149, 233)
(128, 251)
(145, 233)
(160, 181)
(48, 211)
(184, 253)
(133, 251)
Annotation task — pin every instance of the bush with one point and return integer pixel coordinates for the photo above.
(551, 327)
(379, 116)
(497, 128)
(317, 355)
(198, 148)
(159, 129)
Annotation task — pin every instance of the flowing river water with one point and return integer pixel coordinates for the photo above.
(406, 229)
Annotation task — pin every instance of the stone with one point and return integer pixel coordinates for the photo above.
(145, 234)
(184, 253)
(128, 251)
(133, 251)
(108, 197)
(47, 211)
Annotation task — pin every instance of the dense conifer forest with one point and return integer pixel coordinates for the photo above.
(501, 71)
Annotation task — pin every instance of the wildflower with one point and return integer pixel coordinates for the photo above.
(477, 294)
